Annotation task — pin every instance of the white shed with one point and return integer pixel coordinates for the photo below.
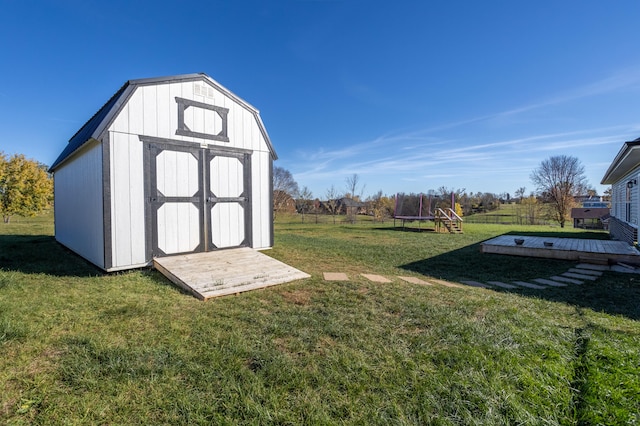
(167, 166)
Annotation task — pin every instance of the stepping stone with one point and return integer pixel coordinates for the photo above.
(501, 284)
(585, 272)
(593, 267)
(529, 285)
(444, 283)
(335, 276)
(549, 282)
(376, 278)
(567, 280)
(475, 284)
(622, 269)
(579, 276)
(414, 280)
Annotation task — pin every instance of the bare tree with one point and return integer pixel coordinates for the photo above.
(559, 179)
(304, 201)
(332, 202)
(354, 190)
(285, 189)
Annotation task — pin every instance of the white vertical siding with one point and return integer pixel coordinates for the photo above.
(619, 198)
(165, 113)
(261, 200)
(127, 201)
(78, 202)
(152, 110)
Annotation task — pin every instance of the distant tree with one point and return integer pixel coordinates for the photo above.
(520, 193)
(354, 189)
(560, 179)
(379, 206)
(606, 196)
(285, 189)
(304, 202)
(354, 192)
(531, 209)
(445, 196)
(26, 188)
(458, 209)
(316, 208)
(332, 202)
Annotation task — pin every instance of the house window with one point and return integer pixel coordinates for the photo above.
(631, 212)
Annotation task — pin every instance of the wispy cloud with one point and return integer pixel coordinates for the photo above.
(490, 146)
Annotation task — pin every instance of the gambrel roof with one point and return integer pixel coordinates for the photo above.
(110, 110)
(627, 159)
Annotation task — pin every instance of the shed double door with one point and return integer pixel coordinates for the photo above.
(198, 198)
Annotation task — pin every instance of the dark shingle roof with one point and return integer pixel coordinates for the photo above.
(592, 213)
(86, 131)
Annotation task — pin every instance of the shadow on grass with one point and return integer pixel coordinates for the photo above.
(42, 254)
(405, 229)
(584, 235)
(613, 293)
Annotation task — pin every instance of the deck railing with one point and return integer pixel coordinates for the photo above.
(450, 219)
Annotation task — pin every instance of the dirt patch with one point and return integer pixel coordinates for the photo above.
(297, 297)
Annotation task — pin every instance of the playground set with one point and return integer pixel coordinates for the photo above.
(419, 208)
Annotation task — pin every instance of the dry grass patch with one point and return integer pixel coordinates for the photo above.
(301, 297)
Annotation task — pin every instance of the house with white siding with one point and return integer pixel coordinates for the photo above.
(167, 166)
(624, 175)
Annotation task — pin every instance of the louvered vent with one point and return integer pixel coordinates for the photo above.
(203, 90)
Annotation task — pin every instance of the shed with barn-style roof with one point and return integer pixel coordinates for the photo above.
(167, 166)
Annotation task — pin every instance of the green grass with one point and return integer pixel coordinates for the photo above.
(512, 214)
(81, 347)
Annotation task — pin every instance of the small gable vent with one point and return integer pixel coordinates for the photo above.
(203, 90)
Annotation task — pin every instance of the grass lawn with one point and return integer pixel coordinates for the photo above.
(81, 347)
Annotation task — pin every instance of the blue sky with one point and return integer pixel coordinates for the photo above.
(410, 95)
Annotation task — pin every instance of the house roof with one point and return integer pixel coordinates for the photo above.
(590, 213)
(104, 116)
(627, 159)
(350, 202)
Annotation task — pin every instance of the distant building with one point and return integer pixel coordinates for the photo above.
(590, 218)
(595, 204)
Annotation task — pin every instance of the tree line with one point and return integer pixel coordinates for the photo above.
(558, 181)
(26, 188)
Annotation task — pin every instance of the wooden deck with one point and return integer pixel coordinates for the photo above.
(590, 251)
(224, 272)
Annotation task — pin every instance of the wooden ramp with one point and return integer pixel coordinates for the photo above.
(223, 272)
(589, 251)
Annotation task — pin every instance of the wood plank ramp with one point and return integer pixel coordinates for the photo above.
(589, 251)
(224, 272)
